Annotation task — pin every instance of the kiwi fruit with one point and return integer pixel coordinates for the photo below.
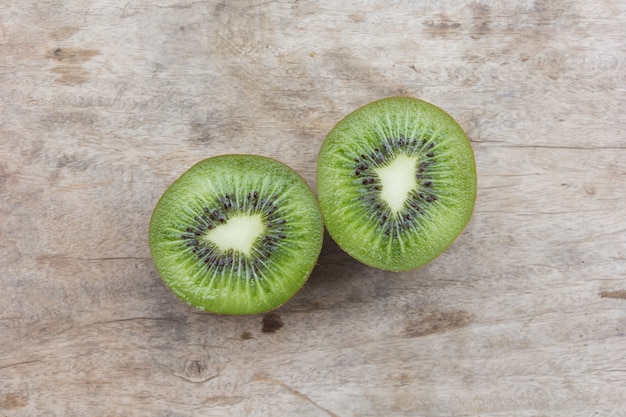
(396, 182)
(236, 234)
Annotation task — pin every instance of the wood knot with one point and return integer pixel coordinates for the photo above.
(195, 369)
(246, 335)
(271, 323)
(429, 322)
(12, 401)
(198, 371)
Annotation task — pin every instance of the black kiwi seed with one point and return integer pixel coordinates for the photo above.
(376, 159)
(210, 255)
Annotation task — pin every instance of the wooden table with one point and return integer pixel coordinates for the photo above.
(103, 104)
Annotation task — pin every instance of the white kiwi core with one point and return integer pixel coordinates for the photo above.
(238, 233)
(397, 181)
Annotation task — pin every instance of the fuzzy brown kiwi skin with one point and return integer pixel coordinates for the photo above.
(474, 173)
(269, 309)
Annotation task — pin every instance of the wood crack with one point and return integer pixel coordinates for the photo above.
(619, 294)
(114, 258)
(486, 144)
(298, 394)
(19, 363)
(103, 258)
(123, 320)
(201, 380)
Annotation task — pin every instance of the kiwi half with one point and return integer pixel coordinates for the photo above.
(396, 182)
(236, 234)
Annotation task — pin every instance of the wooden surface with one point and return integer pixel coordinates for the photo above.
(103, 104)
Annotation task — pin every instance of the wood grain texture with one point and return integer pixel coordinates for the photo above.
(103, 104)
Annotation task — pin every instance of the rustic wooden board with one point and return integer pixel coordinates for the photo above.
(103, 104)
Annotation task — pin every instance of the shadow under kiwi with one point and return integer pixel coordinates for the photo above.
(338, 280)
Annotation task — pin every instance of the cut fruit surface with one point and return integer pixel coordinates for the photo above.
(396, 181)
(236, 234)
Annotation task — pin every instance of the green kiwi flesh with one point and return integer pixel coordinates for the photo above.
(236, 234)
(396, 182)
